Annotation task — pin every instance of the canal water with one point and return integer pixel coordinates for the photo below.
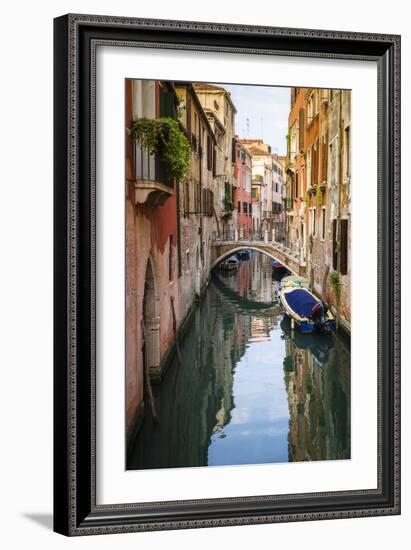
(248, 389)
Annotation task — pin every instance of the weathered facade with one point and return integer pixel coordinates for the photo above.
(217, 101)
(196, 195)
(152, 239)
(318, 189)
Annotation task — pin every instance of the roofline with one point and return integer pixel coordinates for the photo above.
(218, 90)
(190, 87)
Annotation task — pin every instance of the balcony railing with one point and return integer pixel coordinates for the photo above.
(151, 182)
(150, 167)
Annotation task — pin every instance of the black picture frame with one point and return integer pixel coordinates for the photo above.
(75, 41)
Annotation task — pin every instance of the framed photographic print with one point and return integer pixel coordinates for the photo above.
(227, 275)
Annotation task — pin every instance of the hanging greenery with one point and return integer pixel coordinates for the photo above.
(319, 196)
(307, 199)
(335, 282)
(164, 137)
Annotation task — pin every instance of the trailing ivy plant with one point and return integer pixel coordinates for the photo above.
(319, 196)
(164, 137)
(307, 199)
(335, 282)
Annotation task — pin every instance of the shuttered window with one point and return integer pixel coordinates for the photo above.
(186, 198)
(301, 129)
(344, 247)
(209, 153)
(324, 160)
(334, 244)
(316, 159)
(312, 166)
(168, 103)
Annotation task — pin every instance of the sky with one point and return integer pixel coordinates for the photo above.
(266, 108)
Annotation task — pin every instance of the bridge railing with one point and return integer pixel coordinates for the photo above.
(293, 250)
(234, 235)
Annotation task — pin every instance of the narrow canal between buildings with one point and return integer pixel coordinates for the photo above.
(248, 389)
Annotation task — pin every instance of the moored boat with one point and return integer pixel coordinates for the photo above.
(230, 264)
(295, 281)
(308, 312)
(243, 255)
(279, 268)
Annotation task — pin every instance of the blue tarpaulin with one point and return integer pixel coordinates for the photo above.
(301, 302)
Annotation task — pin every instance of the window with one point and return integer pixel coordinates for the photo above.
(209, 154)
(309, 163)
(324, 158)
(322, 222)
(312, 221)
(186, 198)
(208, 202)
(347, 151)
(296, 185)
(245, 205)
(343, 246)
(197, 198)
(301, 129)
(239, 206)
(249, 208)
(189, 115)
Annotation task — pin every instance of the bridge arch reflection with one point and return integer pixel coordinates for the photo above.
(261, 248)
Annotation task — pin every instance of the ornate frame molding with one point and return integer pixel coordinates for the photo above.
(76, 40)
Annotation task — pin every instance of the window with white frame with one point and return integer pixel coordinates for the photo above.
(322, 223)
(312, 221)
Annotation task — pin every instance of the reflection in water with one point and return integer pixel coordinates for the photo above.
(249, 390)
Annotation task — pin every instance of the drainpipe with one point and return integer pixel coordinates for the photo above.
(338, 228)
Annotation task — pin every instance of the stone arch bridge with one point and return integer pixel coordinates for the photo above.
(292, 259)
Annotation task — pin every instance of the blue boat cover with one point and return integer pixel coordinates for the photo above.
(301, 302)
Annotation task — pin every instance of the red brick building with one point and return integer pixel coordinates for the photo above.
(242, 187)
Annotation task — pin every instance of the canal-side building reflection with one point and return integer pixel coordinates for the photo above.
(247, 389)
(316, 375)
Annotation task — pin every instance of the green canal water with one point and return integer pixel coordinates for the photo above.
(248, 389)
